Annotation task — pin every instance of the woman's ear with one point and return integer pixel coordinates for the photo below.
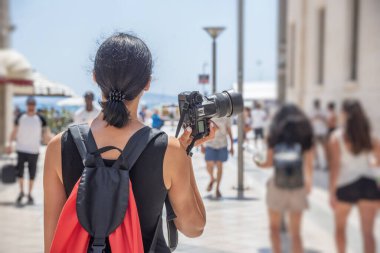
(93, 76)
(147, 86)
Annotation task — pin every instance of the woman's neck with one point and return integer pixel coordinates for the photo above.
(132, 108)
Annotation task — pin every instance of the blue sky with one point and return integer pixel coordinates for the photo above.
(60, 38)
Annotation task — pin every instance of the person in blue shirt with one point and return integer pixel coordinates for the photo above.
(157, 122)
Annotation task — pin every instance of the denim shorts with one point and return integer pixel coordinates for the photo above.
(216, 154)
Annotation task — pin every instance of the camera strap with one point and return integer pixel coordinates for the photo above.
(184, 109)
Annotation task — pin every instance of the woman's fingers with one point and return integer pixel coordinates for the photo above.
(186, 137)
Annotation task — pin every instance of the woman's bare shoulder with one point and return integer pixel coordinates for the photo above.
(53, 154)
(55, 142)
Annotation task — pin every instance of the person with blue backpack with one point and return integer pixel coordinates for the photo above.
(290, 153)
(105, 185)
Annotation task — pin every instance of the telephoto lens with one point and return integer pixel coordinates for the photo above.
(228, 103)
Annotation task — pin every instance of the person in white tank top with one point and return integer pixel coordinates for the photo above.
(352, 167)
(354, 156)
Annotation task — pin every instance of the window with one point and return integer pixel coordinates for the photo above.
(292, 54)
(321, 45)
(354, 38)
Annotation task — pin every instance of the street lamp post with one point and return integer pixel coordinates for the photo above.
(240, 79)
(214, 32)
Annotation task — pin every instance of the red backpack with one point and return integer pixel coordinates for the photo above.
(100, 214)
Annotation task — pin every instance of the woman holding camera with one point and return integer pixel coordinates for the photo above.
(291, 154)
(354, 156)
(123, 65)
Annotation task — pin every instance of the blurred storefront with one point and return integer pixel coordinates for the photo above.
(332, 52)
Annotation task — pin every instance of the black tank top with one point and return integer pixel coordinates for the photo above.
(147, 183)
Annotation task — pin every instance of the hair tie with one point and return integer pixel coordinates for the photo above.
(116, 95)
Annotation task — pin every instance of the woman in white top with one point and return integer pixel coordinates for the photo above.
(352, 174)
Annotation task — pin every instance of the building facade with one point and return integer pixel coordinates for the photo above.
(333, 52)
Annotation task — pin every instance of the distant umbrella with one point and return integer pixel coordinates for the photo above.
(13, 65)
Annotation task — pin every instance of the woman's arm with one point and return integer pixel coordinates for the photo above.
(54, 192)
(309, 164)
(229, 132)
(376, 151)
(334, 166)
(268, 163)
(183, 191)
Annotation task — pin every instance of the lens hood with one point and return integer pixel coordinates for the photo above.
(236, 102)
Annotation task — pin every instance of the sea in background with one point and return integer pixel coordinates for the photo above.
(150, 100)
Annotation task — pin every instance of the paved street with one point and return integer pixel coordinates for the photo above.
(232, 225)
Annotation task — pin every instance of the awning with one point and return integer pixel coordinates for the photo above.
(44, 87)
(14, 68)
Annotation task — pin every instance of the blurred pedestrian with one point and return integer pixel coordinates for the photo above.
(16, 112)
(157, 122)
(216, 152)
(352, 181)
(29, 130)
(319, 122)
(247, 121)
(172, 112)
(332, 124)
(290, 152)
(332, 118)
(142, 114)
(258, 116)
(87, 113)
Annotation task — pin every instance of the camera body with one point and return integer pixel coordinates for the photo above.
(196, 110)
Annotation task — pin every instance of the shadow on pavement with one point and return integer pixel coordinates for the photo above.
(192, 248)
(265, 250)
(240, 198)
(10, 204)
(268, 250)
(312, 251)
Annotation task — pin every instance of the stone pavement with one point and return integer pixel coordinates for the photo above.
(233, 225)
(21, 228)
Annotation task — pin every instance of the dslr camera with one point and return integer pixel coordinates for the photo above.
(196, 111)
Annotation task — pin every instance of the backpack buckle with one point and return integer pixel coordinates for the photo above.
(98, 245)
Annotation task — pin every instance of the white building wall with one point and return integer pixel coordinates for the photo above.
(337, 84)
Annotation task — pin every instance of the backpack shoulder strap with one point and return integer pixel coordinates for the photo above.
(79, 133)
